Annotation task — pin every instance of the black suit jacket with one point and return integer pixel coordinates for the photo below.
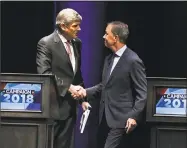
(124, 95)
(52, 58)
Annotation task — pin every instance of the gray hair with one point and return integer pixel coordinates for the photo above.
(67, 16)
(121, 29)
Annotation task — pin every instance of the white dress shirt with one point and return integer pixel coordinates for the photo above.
(119, 54)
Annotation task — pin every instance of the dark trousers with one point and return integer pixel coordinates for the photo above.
(64, 133)
(112, 138)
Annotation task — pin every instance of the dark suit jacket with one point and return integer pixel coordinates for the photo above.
(124, 95)
(52, 58)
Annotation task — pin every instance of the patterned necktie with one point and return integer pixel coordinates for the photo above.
(68, 49)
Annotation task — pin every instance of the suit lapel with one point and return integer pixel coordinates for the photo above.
(120, 63)
(60, 46)
(76, 54)
(106, 66)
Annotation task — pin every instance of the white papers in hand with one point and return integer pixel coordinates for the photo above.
(84, 119)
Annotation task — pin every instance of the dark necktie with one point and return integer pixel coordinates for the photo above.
(111, 61)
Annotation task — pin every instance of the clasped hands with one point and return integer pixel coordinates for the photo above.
(78, 92)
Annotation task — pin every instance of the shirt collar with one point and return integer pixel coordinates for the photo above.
(63, 39)
(121, 51)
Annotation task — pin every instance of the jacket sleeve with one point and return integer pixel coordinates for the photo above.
(94, 92)
(139, 86)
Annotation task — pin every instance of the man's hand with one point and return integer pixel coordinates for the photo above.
(85, 105)
(77, 92)
(74, 90)
(130, 125)
(81, 93)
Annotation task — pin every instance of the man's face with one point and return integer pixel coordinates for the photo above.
(72, 30)
(109, 38)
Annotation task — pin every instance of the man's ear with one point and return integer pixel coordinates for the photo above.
(116, 38)
(63, 26)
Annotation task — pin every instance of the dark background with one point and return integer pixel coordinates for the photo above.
(22, 25)
(158, 33)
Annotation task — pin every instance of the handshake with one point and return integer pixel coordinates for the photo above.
(78, 92)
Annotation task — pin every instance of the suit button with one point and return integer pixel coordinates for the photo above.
(103, 101)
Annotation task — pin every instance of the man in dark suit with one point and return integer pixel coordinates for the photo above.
(123, 89)
(59, 54)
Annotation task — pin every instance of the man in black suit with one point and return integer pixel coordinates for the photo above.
(123, 89)
(59, 54)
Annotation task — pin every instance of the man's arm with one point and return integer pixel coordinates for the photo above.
(90, 93)
(94, 92)
(139, 86)
(43, 58)
(139, 89)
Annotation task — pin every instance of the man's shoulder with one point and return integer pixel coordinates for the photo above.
(47, 38)
(132, 54)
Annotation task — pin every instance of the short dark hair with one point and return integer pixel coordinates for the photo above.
(121, 29)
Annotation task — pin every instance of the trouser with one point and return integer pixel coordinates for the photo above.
(64, 133)
(112, 138)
